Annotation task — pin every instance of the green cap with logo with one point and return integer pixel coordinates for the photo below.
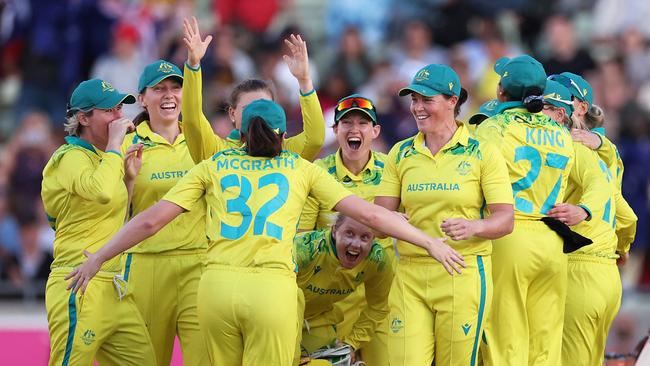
(156, 72)
(270, 111)
(486, 110)
(577, 85)
(519, 73)
(432, 80)
(558, 95)
(96, 93)
(355, 102)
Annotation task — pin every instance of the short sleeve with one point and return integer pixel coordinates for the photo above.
(190, 188)
(391, 183)
(324, 188)
(495, 180)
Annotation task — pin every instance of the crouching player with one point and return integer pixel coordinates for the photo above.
(332, 263)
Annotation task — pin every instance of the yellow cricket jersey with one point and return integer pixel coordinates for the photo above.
(163, 165)
(254, 204)
(203, 143)
(458, 181)
(363, 185)
(85, 199)
(608, 152)
(595, 184)
(539, 155)
(324, 282)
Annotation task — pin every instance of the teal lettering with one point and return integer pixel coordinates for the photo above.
(222, 164)
(246, 165)
(268, 164)
(257, 165)
(529, 136)
(549, 138)
(233, 165)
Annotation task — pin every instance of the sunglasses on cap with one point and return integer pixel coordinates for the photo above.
(355, 102)
(567, 83)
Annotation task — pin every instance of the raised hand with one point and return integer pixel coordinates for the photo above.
(117, 129)
(196, 46)
(298, 62)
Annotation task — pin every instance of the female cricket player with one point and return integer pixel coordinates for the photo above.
(247, 294)
(450, 185)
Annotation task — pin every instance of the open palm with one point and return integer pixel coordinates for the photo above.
(297, 60)
(196, 47)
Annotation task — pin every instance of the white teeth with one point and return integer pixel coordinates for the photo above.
(353, 252)
(168, 105)
(422, 117)
(354, 139)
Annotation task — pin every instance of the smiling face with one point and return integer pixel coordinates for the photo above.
(353, 242)
(163, 100)
(428, 111)
(355, 133)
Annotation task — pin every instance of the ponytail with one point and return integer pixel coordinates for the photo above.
(595, 117)
(141, 117)
(533, 99)
(261, 141)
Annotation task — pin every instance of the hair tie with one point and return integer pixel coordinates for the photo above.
(532, 98)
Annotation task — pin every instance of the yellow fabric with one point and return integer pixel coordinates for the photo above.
(539, 154)
(530, 280)
(592, 185)
(85, 199)
(424, 297)
(163, 165)
(455, 182)
(164, 287)
(609, 154)
(254, 204)
(248, 315)
(593, 299)
(324, 282)
(95, 325)
(203, 143)
(363, 185)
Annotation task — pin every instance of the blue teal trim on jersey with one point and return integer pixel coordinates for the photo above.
(114, 152)
(192, 68)
(379, 164)
(72, 319)
(404, 146)
(481, 309)
(588, 212)
(74, 140)
(52, 221)
(331, 170)
(127, 266)
(308, 93)
(482, 210)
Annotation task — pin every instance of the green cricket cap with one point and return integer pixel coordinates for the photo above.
(558, 95)
(432, 80)
(156, 72)
(96, 93)
(270, 111)
(519, 73)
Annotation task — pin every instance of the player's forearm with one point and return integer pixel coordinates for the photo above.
(498, 224)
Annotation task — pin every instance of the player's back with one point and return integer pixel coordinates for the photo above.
(539, 154)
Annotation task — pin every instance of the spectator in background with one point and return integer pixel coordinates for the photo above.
(254, 15)
(351, 60)
(369, 17)
(10, 246)
(121, 67)
(637, 56)
(566, 54)
(416, 50)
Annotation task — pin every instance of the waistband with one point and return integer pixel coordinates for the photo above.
(433, 261)
(591, 259)
(228, 268)
(64, 271)
(535, 224)
(172, 253)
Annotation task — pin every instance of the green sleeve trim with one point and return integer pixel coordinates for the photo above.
(308, 93)
(192, 68)
(114, 152)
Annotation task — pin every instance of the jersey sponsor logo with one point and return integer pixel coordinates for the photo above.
(396, 324)
(256, 165)
(328, 291)
(425, 187)
(88, 337)
(168, 175)
(466, 328)
(543, 137)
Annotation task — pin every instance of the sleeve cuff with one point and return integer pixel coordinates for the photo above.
(114, 152)
(587, 210)
(192, 68)
(308, 93)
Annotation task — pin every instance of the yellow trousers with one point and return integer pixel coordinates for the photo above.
(529, 272)
(434, 315)
(592, 302)
(95, 325)
(164, 287)
(248, 315)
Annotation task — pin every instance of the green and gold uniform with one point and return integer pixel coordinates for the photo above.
(247, 299)
(163, 271)
(434, 315)
(324, 283)
(85, 199)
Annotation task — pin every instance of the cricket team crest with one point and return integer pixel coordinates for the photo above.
(165, 67)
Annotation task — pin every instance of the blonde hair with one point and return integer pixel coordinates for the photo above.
(595, 117)
(72, 125)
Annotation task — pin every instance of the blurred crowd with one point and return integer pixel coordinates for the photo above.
(368, 46)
